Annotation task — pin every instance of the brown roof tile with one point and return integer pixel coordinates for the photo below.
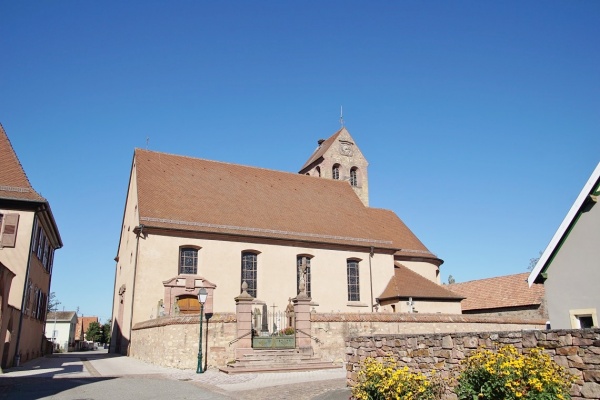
(86, 324)
(13, 180)
(184, 193)
(407, 283)
(323, 147)
(499, 292)
(61, 316)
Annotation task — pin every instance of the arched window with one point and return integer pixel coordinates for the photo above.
(249, 267)
(299, 260)
(318, 170)
(335, 171)
(188, 260)
(353, 177)
(353, 280)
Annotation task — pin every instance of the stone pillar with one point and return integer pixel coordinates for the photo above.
(303, 325)
(243, 312)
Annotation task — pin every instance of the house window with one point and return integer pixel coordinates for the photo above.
(28, 294)
(335, 171)
(318, 170)
(584, 318)
(299, 261)
(353, 280)
(40, 243)
(188, 260)
(8, 229)
(353, 177)
(249, 263)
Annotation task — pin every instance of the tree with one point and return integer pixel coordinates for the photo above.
(52, 302)
(451, 280)
(94, 332)
(533, 261)
(106, 332)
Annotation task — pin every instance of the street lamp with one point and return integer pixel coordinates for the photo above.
(202, 294)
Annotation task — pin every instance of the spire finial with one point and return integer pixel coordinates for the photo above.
(342, 116)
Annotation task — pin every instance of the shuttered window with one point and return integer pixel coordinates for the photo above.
(9, 223)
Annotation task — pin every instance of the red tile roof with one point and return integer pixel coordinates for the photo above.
(86, 324)
(323, 147)
(13, 180)
(184, 193)
(499, 292)
(407, 283)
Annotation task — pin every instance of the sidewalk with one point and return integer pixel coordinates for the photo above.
(320, 384)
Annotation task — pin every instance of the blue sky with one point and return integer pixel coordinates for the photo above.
(480, 120)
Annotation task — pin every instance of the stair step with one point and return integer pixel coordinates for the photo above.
(278, 368)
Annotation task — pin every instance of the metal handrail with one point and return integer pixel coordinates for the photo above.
(310, 336)
(243, 336)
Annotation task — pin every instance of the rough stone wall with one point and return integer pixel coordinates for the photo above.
(577, 350)
(532, 312)
(331, 330)
(173, 341)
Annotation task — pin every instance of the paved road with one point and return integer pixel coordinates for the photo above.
(100, 376)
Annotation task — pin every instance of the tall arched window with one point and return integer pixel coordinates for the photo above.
(299, 260)
(335, 171)
(353, 177)
(188, 260)
(353, 280)
(249, 266)
(318, 170)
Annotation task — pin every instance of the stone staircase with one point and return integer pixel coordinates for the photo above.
(278, 361)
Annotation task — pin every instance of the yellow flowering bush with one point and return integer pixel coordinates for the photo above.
(386, 381)
(507, 375)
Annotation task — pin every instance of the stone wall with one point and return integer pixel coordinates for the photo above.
(577, 350)
(173, 341)
(331, 330)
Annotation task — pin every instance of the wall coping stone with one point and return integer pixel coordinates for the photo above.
(183, 320)
(417, 317)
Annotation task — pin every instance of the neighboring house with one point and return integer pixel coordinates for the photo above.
(28, 238)
(83, 323)
(508, 295)
(60, 329)
(569, 268)
(190, 223)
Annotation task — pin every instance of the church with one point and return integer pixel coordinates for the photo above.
(191, 223)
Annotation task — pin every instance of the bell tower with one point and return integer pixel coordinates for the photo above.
(338, 157)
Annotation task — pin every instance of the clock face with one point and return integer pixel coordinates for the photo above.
(346, 149)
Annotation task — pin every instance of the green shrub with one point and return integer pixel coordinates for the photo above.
(508, 375)
(386, 381)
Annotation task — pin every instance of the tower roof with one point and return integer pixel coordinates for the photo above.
(14, 183)
(323, 147)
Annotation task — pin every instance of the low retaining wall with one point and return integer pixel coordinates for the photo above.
(577, 350)
(173, 341)
(332, 329)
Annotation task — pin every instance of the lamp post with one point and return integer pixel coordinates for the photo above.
(202, 293)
